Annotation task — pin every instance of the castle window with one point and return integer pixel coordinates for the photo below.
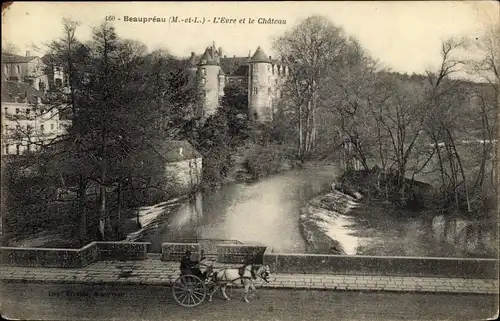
(6, 110)
(18, 70)
(18, 149)
(255, 68)
(51, 126)
(41, 128)
(17, 111)
(28, 111)
(255, 115)
(7, 149)
(255, 90)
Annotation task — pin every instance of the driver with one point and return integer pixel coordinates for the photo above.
(190, 266)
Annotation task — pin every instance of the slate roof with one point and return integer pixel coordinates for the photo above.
(260, 56)
(8, 58)
(235, 66)
(12, 89)
(210, 57)
(48, 59)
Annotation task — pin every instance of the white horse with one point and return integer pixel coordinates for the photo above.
(246, 275)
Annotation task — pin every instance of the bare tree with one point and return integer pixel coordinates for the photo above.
(10, 48)
(444, 104)
(312, 51)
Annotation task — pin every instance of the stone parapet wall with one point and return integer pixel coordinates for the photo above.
(122, 250)
(89, 254)
(72, 258)
(237, 253)
(41, 257)
(175, 251)
(383, 265)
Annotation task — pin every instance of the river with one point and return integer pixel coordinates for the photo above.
(267, 212)
(264, 212)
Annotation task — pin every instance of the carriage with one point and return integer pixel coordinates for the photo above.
(190, 289)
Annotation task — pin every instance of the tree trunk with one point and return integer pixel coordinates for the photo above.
(462, 172)
(301, 137)
(82, 210)
(102, 198)
(118, 224)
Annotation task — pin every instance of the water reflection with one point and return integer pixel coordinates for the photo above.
(467, 237)
(265, 212)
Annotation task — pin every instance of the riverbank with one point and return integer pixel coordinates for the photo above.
(325, 224)
(146, 218)
(338, 223)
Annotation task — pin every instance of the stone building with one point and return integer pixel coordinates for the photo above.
(258, 73)
(27, 124)
(39, 73)
(183, 165)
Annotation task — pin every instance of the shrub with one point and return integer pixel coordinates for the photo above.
(262, 161)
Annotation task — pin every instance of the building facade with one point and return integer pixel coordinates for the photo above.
(27, 123)
(258, 73)
(39, 73)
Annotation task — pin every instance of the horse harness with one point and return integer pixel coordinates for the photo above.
(241, 273)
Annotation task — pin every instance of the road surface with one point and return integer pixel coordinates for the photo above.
(128, 302)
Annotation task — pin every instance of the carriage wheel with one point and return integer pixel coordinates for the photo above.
(189, 291)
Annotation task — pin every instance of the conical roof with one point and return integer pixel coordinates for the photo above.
(260, 56)
(209, 57)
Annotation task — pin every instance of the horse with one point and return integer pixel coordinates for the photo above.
(246, 275)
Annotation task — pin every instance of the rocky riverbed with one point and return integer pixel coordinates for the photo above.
(326, 224)
(336, 223)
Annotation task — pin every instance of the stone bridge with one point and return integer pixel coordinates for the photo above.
(233, 252)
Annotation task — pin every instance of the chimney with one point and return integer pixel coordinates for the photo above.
(234, 56)
(28, 54)
(249, 53)
(270, 58)
(220, 51)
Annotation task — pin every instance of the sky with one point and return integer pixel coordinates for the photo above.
(403, 35)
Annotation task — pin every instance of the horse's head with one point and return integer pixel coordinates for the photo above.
(264, 272)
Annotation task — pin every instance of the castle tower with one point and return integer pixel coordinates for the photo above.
(192, 68)
(209, 73)
(259, 87)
